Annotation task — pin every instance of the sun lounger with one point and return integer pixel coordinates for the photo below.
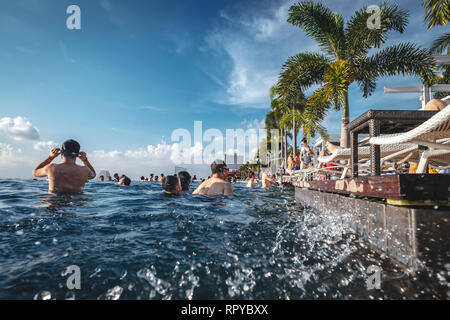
(433, 133)
(363, 153)
(437, 127)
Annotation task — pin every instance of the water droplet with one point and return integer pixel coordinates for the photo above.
(114, 293)
(44, 295)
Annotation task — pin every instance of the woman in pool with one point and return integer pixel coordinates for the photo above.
(251, 179)
(185, 180)
(171, 185)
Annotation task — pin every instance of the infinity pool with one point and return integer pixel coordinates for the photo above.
(134, 243)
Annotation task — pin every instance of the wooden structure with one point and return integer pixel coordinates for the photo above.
(409, 187)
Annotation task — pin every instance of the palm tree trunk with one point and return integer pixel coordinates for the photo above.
(285, 147)
(345, 137)
(294, 136)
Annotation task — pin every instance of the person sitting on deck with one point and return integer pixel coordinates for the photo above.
(171, 185)
(297, 162)
(218, 184)
(290, 162)
(67, 177)
(306, 155)
(436, 104)
(185, 180)
(332, 147)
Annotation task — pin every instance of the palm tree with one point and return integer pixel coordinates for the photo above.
(291, 100)
(279, 109)
(345, 59)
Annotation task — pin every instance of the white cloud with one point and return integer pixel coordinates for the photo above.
(45, 145)
(253, 124)
(142, 161)
(18, 128)
(256, 42)
(6, 151)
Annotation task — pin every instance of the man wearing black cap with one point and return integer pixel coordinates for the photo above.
(217, 185)
(66, 176)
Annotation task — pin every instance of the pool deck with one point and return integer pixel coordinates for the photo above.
(415, 236)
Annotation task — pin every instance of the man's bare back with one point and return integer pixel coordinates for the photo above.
(215, 187)
(67, 176)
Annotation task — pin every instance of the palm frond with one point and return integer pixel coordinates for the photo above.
(315, 112)
(441, 44)
(437, 12)
(360, 39)
(321, 24)
(301, 71)
(404, 59)
(337, 79)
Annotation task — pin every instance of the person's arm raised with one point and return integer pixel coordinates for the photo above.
(82, 156)
(41, 170)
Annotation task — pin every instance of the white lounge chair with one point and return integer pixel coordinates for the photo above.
(363, 153)
(433, 133)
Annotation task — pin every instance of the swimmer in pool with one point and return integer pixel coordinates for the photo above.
(67, 177)
(218, 184)
(267, 181)
(124, 181)
(251, 179)
(171, 185)
(185, 180)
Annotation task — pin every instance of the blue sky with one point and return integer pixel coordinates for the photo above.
(137, 70)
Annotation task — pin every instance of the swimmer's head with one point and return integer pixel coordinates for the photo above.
(171, 184)
(219, 167)
(124, 181)
(185, 179)
(101, 178)
(70, 149)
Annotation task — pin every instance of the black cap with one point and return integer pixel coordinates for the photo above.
(70, 148)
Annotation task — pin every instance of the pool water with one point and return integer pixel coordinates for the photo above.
(134, 243)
